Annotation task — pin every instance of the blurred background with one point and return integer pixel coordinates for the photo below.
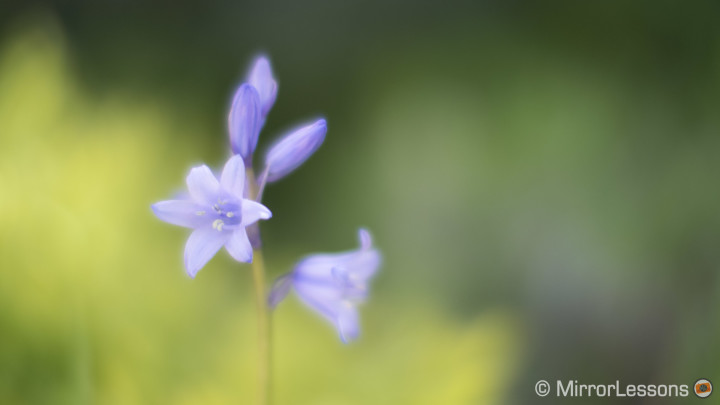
(541, 177)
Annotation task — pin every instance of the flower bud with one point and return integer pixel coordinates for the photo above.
(261, 78)
(294, 149)
(244, 122)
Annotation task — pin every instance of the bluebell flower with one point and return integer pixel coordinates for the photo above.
(250, 107)
(244, 122)
(294, 149)
(333, 284)
(217, 213)
(262, 79)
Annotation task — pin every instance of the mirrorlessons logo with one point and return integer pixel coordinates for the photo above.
(572, 388)
(703, 388)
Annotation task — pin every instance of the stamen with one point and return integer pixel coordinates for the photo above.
(230, 214)
(200, 213)
(218, 224)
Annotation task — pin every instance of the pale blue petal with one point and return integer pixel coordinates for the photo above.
(347, 323)
(294, 149)
(280, 289)
(361, 263)
(333, 283)
(253, 211)
(323, 298)
(364, 264)
(320, 265)
(244, 121)
(202, 185)
(365, 239)
(181, 212)
(329, 302)
(201, 246)
(239, 246)
(232, 179)
(261, 78)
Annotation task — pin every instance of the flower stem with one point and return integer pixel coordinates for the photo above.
(263, 319)
(263, 315)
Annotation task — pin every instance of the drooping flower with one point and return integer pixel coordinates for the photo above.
(294, 149)
(251, 104)
(333, 284)
(217, 213)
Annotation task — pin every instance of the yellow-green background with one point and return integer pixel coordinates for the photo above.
(542, 179)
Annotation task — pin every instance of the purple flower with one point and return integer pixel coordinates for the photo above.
(244, 122)
(251, 105)
(294, 149)
(261, 78)
(333, 284)
(217, 212)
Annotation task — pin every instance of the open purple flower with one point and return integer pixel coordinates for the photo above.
(333, 284)
(217, 212)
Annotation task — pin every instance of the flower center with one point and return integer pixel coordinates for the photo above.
(227, 215)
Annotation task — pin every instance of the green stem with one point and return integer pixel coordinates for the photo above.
(263, 315)
(258, 269)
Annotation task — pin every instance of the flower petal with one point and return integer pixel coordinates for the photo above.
(365, 239)
(280, 289)
(328, 302)
(361, 264)
(323, 298)
(261, 78)
(180, 212)
(366, 264)
(252, 211)
(202, 185)
(239, 246)
(201, 246)
(244, 121)
(348, 323)
(294, 149)
(232, 179)
(333, 283)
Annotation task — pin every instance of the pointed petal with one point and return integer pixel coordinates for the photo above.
(362, 263)
(202, 185)
(328, 301)
(244, 121)
(280, 289)
(261, 78)
(232, 179)
(323, 299)
(253, 211)
(201, 246)
(365, 264)
(180, 212)
(239, 246)
(294, 149)
(365, 239)
(348, 323)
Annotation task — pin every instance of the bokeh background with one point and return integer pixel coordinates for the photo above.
(541, 177)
